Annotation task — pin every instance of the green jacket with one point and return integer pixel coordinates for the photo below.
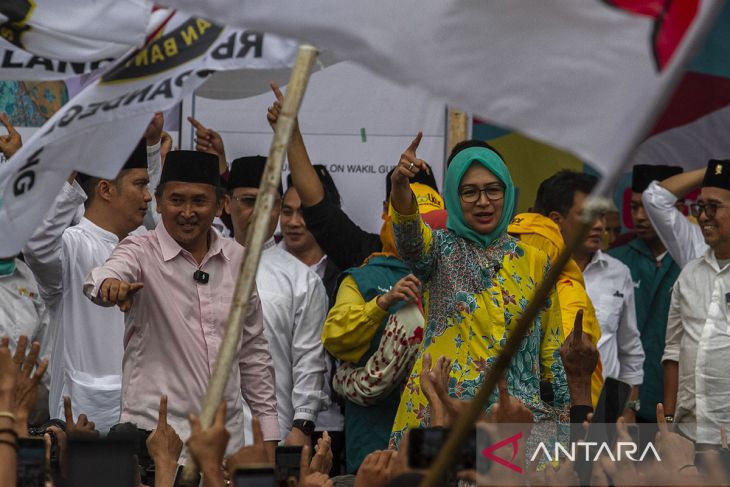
(653, 291)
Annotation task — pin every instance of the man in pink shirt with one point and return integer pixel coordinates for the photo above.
(175, 284)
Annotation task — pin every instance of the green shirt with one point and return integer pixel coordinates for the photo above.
(653, 283)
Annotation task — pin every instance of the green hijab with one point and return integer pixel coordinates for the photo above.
(458, 167)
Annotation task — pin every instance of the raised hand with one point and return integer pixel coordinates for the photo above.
(153, 133)
(307, 476)
(272, 115)
(673, 449)
(114, 291)
(165, 145)
(407, 289)
(252, 454)
(164, 444)
(322, 460)
(82, 427)
(26, 388)
(207, 140)
(11, 143)
(580, 357)
(208, 447)
(430, 383)
(8, 377)
(409, 164)
(376, 469)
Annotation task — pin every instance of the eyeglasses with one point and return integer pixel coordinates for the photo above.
(471, 194)
(710, 209)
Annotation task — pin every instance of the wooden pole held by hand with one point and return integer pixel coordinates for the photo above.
(227, 354)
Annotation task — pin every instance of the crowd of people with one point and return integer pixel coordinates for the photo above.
(114, 314)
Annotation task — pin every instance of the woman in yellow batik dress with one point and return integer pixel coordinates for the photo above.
(477, 280)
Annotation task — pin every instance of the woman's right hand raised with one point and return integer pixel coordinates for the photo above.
(408, 166)
(407, 289)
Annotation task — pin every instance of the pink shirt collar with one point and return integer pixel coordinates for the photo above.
(170, 248)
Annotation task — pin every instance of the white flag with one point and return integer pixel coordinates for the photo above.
(96, 131)
(75, 30)
(584, 75)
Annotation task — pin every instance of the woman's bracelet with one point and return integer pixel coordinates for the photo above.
(7, 414)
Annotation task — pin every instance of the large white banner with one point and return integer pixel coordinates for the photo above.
(96, 130)
(585, 75)
(354, 122)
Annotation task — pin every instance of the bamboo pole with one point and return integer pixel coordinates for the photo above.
(227, 354)
(466, 421)
(458, 130)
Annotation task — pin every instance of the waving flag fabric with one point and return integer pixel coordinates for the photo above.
(588, 76)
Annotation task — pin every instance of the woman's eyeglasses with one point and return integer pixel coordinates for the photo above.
(471, 194)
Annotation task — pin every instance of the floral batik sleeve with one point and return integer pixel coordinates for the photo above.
(552, 369)
(413, 238)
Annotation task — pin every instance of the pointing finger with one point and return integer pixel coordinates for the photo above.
(415, 143)
(134, 287)
(277, 92)
(67, 411)
(660, 419)
(578, 327)
(196, 124)
(162, 418)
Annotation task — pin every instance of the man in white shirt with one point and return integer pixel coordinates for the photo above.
(299, 241)
(608, 281)
(294, 304)
(682, 238)
(697, 353)
(86, 359)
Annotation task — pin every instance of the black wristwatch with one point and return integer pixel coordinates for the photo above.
(306, 426)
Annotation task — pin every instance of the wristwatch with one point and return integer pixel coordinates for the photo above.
(634, 405)
(306, 426)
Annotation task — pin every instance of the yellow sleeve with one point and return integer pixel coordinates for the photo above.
(573, 297)
(351, 323)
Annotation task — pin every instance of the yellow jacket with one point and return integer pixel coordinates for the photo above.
(541, 232)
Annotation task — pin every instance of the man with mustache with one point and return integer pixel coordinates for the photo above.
(608, 282)
(697, 353)
(175, 285)
(653, 272)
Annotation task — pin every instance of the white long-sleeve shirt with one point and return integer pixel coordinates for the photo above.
(86, 359)
(698, 338)
(294, 304)
(682, 238)
(609, 285)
